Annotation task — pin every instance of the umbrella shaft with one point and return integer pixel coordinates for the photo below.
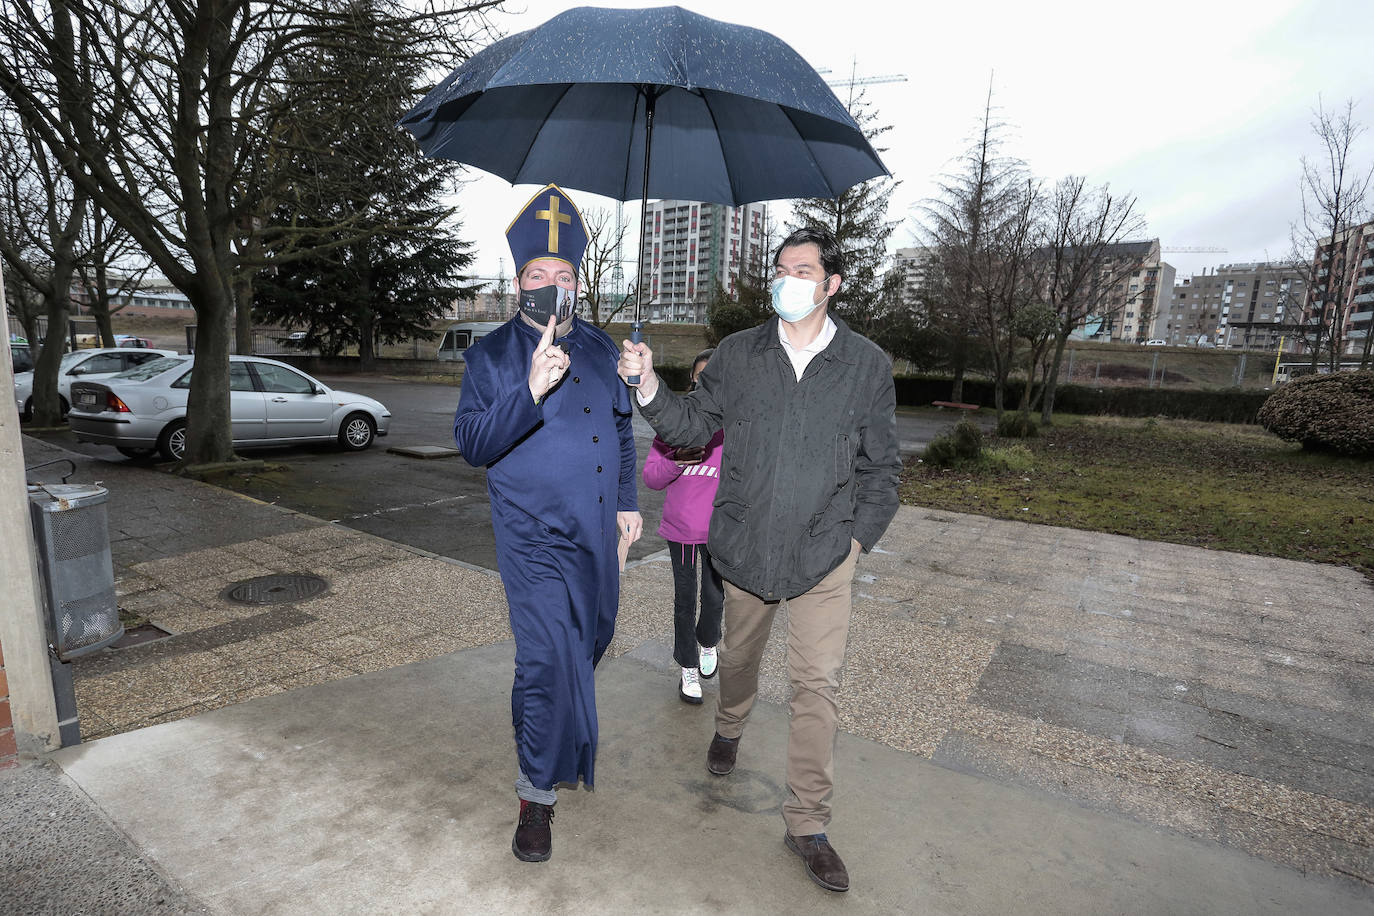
(642, 278)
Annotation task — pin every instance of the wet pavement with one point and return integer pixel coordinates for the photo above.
(1213, 706)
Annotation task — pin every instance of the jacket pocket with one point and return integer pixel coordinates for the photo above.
(736, 449)
(729, 535)
(844, 459)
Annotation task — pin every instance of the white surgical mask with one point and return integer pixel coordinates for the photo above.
(794, 298)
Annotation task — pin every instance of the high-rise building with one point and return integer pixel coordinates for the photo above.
(1139, 289)
(912, 264)
(1236, 305)
(691, 247)
(1343, 270)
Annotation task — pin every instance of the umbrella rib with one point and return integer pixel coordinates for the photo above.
(734, 190)
(816, 166)
(525, 157)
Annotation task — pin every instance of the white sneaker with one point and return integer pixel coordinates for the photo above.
(708, 658)
(690, 688)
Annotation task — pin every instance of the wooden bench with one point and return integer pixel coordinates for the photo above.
(953, 405)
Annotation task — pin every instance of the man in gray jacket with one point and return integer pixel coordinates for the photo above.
(808, 479)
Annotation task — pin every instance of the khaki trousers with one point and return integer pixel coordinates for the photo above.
(817, 630)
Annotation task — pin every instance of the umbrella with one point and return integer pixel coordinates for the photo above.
(647, 103)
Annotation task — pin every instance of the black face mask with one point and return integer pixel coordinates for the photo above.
(539, 304)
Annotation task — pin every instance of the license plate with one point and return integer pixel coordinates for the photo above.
(85, 398)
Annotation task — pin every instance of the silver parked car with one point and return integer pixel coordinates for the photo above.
(82, 365)
(270, 403)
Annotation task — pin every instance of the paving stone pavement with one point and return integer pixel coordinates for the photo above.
(1223, 696)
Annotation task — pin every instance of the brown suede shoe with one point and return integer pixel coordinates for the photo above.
(720, 756)
(823, 864)
(533, 841)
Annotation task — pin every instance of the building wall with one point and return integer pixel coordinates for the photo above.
(1237, 305)
(1351, 259)
(690, 247)
(911, 264)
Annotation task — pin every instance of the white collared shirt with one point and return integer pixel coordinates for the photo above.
(801, 357)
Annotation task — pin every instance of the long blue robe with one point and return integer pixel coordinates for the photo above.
(557, 473)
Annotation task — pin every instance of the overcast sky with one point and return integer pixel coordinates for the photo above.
(1199, 108)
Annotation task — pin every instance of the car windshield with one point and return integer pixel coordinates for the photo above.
(153, 367)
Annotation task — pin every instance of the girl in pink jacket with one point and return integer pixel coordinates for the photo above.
(690, 477)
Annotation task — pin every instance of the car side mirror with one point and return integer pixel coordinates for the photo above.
(316, 389)
(77, 370)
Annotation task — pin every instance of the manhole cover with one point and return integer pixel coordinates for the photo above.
(275, 589)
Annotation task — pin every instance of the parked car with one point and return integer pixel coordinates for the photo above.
(1156, 342)
(270, 403)
(129, 340)
(82, 364)
(21, 357)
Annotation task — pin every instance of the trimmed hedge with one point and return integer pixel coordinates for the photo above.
(1328, 413)
(1223, 405)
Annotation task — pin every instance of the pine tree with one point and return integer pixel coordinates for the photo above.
(858, 220)
(387, 261)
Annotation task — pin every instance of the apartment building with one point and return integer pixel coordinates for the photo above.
(912, 264)
(1236, 305)
(690, 247)
(1140, 285)
(1344, 269)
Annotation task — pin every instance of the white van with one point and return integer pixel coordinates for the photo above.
(458, 337)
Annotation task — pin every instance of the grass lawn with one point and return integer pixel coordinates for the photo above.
(1204, 484)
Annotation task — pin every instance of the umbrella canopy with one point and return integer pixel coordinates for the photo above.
(729, 114)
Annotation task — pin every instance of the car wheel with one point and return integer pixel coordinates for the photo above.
(63, 406)
(129, 451)
(172, 442)
(28, 410)
(357, 432)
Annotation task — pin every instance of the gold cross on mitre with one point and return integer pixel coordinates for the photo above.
(554, 218)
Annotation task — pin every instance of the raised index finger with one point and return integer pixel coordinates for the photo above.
(547, 337)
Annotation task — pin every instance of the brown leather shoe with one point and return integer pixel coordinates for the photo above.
(720, 756)
(823, 864)
(533, 841)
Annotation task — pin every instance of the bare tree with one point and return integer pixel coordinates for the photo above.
(186, 96)
(1085, 258)
(39, 239)
(605, 239)
(111, 268)
(1334, 204)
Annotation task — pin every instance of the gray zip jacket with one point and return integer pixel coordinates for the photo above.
(806, 466)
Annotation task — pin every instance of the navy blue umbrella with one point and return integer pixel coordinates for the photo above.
(647, 103)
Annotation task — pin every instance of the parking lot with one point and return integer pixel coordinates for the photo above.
(438, 504)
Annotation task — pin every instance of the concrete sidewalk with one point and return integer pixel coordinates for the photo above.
(1036, 719)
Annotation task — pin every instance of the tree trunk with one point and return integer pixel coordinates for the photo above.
(367, 350)
(208, 432)
(47, 406)
(1052, 381)
(243, 311)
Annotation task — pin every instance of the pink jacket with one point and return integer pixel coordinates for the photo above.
(691, 490)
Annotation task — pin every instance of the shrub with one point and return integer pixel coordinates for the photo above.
(1016, 425)
(961, 445)
(1326, 413)
(1015, 457)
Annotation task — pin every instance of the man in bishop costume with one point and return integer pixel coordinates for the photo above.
(544, 411)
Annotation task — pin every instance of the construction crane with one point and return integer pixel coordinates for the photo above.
(856, 80)
(1193, 249)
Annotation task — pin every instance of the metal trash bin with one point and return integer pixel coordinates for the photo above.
(71, 532)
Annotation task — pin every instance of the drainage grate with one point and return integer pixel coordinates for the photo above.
(275, 589)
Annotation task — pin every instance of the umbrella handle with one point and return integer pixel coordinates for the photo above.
(634, 339)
